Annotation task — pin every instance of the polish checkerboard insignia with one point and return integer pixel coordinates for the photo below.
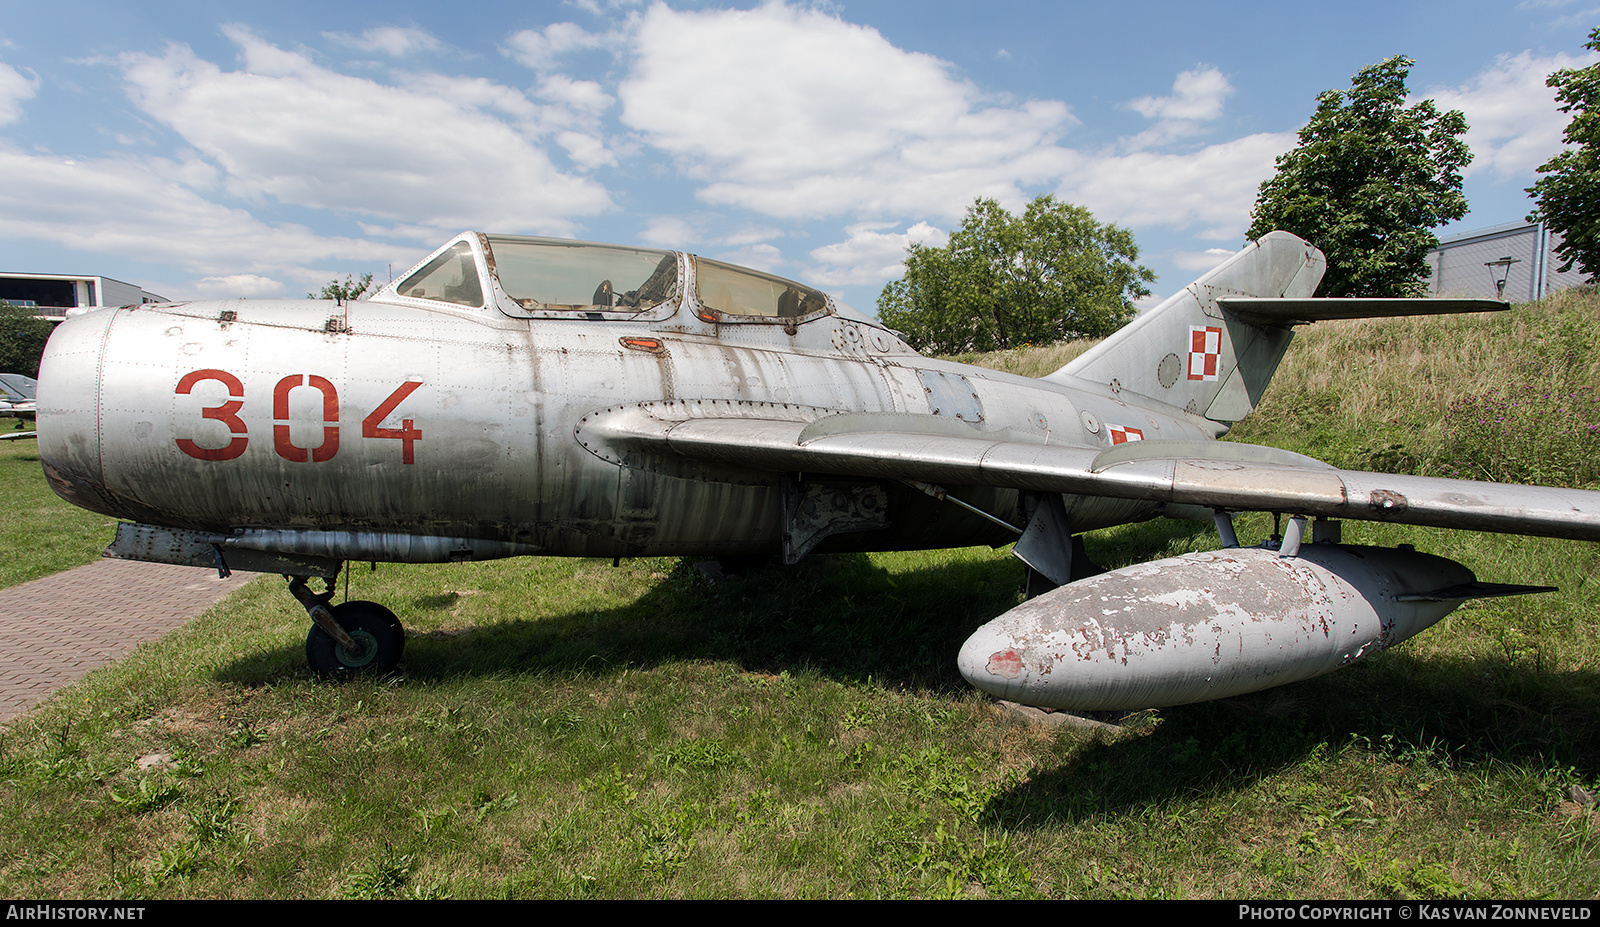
(1122, 434)
(1205, 351)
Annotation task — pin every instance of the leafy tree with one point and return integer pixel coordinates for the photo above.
(22, 338)
(1567, 197)
(1005, 281)
(1369, 179)
(345, 291)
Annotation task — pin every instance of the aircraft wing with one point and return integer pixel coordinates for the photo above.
(1216, 474)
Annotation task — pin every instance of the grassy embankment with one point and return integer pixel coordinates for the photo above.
(568, 729)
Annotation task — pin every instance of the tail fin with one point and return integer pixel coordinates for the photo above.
(1212, 347)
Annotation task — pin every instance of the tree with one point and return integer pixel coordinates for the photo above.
(1004, 281)
(1369, 180)
(344, 292)
(1567, 197)
(22, 338)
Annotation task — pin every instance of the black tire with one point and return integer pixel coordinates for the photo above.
(368, 622)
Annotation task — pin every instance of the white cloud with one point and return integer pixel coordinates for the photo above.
(423, 234)
(795, 113)
(467, 93)
(867, 130)
(14, 88)
(582, 97)
(748, 235)
(586, 151)
(392, 40)
(1197, 98)
(1214, 188)
(870, 256)
(233, 286)
(602, 7)
(1196, 94)
(578, 106)
(135, 209)
(1513, 121)
(669, 232)
(437, 151)
(1201, 261)
(705, 232)
(762, 257)
(1584, 18)
(540, 50)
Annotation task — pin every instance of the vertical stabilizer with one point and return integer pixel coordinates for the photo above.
(1188, 353)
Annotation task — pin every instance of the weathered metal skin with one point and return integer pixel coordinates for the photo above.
(512, 396)
(501, 453)
(1207, 626)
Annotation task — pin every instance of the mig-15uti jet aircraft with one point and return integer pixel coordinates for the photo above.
(518, 396)
(16, 401)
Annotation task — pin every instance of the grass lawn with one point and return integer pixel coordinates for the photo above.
(563, 728)
(40, 534)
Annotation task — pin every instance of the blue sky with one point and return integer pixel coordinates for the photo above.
(222, 150)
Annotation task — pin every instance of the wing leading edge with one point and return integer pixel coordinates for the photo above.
(1219, 475)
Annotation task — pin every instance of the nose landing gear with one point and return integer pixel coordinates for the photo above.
(352, 639)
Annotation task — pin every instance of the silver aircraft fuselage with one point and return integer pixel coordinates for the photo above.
(400, 428)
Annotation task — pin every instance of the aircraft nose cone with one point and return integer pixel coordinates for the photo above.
(69, 410)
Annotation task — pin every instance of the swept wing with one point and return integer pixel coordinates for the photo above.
(1219, 475)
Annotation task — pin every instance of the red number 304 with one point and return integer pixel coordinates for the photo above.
(228, 414)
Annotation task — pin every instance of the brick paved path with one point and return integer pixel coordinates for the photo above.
(56, 629)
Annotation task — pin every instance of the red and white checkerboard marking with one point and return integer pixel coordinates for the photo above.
(1205, 351)
(1122, 434)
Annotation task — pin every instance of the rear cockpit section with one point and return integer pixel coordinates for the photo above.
(727, 293)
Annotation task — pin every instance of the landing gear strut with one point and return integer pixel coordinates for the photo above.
(353, 639)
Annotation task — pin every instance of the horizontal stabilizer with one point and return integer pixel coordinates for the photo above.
(1280, 311)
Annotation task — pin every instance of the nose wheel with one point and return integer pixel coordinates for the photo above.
(379, 640)
(352, 639)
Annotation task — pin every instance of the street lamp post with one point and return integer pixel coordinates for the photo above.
(1499, 271)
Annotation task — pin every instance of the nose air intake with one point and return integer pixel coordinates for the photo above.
(70, 412)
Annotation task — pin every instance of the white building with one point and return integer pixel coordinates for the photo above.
(1469, 264)
(54, 294)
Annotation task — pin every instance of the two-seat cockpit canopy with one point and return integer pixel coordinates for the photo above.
(551, 278)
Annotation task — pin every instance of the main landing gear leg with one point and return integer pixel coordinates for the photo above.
(353, 639)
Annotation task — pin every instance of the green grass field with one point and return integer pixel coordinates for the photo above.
(563, 728)
(40, 534)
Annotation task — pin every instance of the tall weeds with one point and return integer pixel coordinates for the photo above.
(1525, 435)
(1507, 397)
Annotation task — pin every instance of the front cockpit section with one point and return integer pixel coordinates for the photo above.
(544, 278)
(451, 276)
(556, 279)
